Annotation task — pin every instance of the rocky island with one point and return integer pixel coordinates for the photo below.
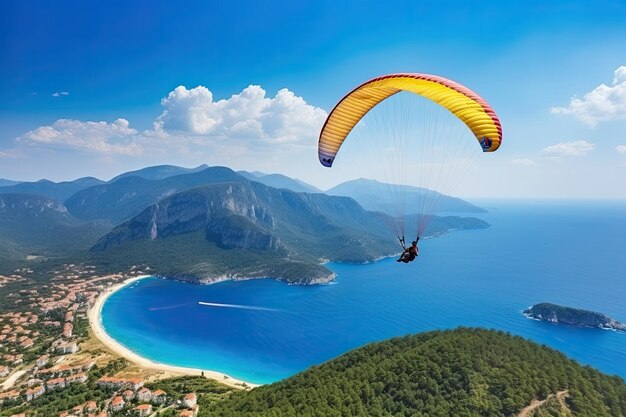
(582, 318)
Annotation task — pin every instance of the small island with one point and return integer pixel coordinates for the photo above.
(582, 318)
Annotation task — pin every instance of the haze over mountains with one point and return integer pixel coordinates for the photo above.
(200, 223)
(5, 183)
(378, 196)
(280, 181)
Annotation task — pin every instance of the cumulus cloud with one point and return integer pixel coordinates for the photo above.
(621, 148)
(523, 162)
(192, 124)
(101, 137)
(577, 148)
(249, 115)
(600, 104)
(60, 93)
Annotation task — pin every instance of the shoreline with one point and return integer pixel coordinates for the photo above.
(95, 322)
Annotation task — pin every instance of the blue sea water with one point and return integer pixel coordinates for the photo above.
(565, 252)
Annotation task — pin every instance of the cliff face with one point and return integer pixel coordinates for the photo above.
(251, 215)
(229, 215)
(582, 318)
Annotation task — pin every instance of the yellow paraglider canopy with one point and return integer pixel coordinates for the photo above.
(468, 106)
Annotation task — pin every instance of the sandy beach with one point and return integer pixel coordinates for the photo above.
(95, 321)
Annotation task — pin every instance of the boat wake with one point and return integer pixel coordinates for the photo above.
(239, 306)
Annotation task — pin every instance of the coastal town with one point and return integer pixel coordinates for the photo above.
(52, 364)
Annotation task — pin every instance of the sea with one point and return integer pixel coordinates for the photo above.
(567, 252)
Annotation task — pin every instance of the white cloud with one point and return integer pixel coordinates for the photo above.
(577, 148)
(249, 116)
(100, 137)
(60, 93)
(238, 131)
(621, 148)
(9, 153)
(523, 162)
(600, 104)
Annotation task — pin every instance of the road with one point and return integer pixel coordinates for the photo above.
(536, 403)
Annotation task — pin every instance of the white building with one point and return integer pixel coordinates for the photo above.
(189, 400)
(33, 393)
(69, 347)
(42, 360)
(144, 395)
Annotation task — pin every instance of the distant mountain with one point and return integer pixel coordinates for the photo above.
(280, 181)
(55, 190)
(253, 176)
(63, 190)
(126, 197)
(37, 225)
(205, 224)
(462, 372)
(378, 196)
(247, 229)
(159, 172)
(6, 183)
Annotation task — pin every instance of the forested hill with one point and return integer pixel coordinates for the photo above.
(462, 372)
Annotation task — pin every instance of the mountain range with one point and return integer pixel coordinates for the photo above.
(126, 197)
(201, 224)
(251, 230)
(56, 190)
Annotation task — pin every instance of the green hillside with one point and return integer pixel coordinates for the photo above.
(461, 373)
(36, 225)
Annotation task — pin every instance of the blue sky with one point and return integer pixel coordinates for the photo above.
(90, 88)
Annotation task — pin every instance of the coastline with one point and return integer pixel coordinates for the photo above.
(95, 322)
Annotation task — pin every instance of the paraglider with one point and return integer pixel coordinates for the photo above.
(409, 254)
(413, 146)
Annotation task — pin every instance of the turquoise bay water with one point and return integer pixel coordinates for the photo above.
(565, 252)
